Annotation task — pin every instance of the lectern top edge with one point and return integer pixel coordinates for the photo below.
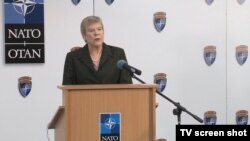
(107, 86)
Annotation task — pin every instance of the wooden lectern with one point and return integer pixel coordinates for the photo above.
(78, 119)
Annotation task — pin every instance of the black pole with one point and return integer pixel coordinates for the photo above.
(178, 110)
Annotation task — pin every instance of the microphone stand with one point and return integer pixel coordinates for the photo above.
(178, 110)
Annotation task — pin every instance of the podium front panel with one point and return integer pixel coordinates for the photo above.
(84, 106)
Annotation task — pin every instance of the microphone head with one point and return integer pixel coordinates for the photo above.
(120, 64)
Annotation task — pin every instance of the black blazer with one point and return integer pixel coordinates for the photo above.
(79, 69)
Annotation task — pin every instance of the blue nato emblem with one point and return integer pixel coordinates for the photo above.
(210, 118)
(209, 55)
(160, 20)
(110, 126)
(23, 11)
(24, 85)
(241, 1)
(242, 120)
(161, 80)
(109, 2)
(209, 2)
(241, 117)
(24, 31)
(75, 2)
(241, 54)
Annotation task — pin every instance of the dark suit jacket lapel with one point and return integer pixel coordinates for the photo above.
(85, 58)
(106, 54)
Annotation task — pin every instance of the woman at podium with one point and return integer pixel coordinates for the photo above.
(96, 61)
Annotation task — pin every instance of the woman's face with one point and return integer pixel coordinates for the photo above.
(94, 35)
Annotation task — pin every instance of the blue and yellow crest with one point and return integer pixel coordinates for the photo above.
(209, 54)
(210, 118)
(160, 21)
(161, 80)
(75, 2)
(241, 54)
(242, 117)
(241, 1)
(24, 85)
(109, 2)
(209, 2)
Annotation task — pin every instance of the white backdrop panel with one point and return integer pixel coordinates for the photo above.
(27, 118)
(177, 51)
(238, 90)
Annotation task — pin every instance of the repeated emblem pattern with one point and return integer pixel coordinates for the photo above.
(24, 85)
(209, 54)
(240, 1)
(241, 117)
(210, 118)
(241, 54)
(75, 2)
(209, 2)
(161, 80)
(109, 2)
(160, 20)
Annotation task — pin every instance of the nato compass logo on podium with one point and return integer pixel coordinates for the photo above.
(209, 54)
(110, 126)
(24, 85)
(24, 31)
(241, 54)
(160, 21)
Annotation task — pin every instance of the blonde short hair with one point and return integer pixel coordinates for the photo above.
(88, 21)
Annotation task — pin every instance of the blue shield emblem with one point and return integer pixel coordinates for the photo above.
(210, 118)
(242, 120)
(160, 21)
(241, 1)
(24, 85)
(209, 54)
(242, 117)
(109, 2)
(161, 80)
(241, 54)
(209, 2)
(75, 2)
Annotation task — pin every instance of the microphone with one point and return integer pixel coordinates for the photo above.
(122, 64)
